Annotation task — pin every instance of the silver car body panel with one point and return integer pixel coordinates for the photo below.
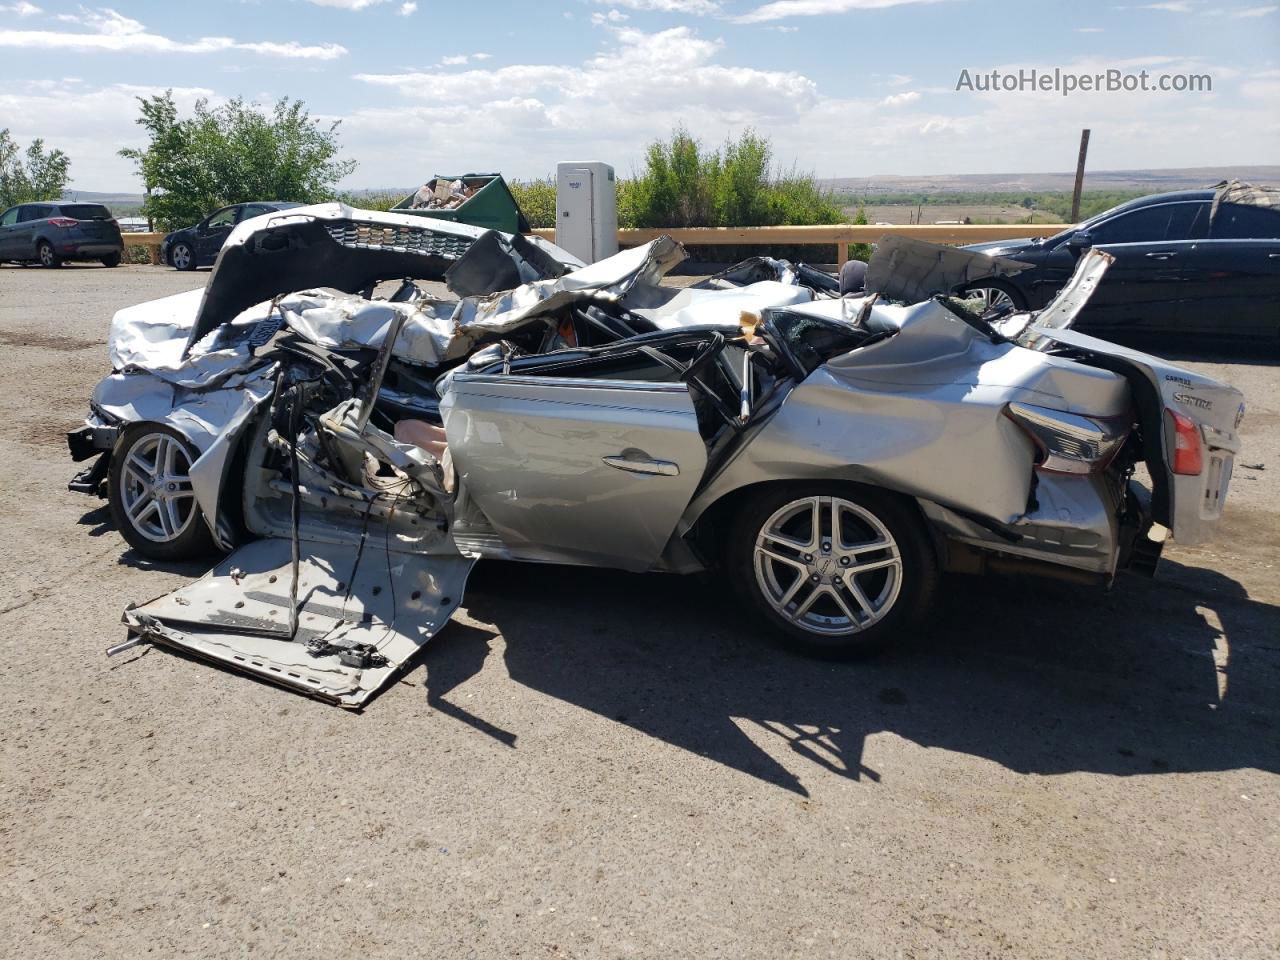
(1214, 407)
(921, 413)
(555, 462)
(381, 609)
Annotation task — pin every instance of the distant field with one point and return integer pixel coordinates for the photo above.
(900, 213)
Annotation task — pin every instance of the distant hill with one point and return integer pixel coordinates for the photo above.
(1152, 181)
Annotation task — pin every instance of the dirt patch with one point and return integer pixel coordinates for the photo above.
(45, 341)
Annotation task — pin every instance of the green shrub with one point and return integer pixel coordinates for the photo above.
(367, 200)
(685, 185)
(537, 199)
(860, 251)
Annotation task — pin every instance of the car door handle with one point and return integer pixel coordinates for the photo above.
(1273, 256)
(1160, 256)
(658, 468)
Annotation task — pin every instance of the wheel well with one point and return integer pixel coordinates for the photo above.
(710, 532)
(1019, 296)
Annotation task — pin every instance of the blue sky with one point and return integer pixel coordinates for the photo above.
(843, 87)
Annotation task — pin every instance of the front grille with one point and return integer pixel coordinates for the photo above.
(402, 239)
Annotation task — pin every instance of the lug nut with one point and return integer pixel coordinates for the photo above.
(815, 578)
(808, 558)
(844, 561)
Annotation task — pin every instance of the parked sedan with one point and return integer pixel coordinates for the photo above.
(52, 232)
(1194, 261)
(356, 448)
(198, 246)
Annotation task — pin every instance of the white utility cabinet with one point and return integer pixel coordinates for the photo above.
(586, 209)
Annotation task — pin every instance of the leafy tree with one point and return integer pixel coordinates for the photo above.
(232, 154)
(32, 174)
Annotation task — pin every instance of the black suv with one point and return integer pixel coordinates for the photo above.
(198, 246)
(50, 232)
(1177, 269)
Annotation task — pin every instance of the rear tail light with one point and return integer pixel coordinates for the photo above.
(1187, 458)
(1068, 442)
(62, 222)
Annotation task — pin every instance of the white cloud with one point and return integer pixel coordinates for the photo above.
(459, 59)
(781, 9)
(1172, 6)
(348, 4)
(20, 9)
(115, 33)
(408, 9)
(613, 16)
(900, 99)
(1255, 11)
(1088, 30)
(700, 8)
(523, 118)
(90, 125)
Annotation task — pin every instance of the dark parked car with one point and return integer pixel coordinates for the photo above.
(50, 232)
(1180, 266)
(198, 246)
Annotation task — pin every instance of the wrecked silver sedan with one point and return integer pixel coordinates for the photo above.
(360, 406)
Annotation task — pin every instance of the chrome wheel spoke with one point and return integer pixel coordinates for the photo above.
(785, 600)
(809, 601)
(872, 565)
(868, 546)
(139, 509)
(783, 539)
(783, 558)
(834, 594)
(851, 585)
(835, 506)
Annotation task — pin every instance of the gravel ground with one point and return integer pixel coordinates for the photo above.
(595, 764)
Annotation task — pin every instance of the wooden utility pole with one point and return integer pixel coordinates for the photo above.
(1075, 194)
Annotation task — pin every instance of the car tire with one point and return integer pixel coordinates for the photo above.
(993, 291)
(182, 256)
(47, 256)
(150, 495)
(111, 260)
(864, 599)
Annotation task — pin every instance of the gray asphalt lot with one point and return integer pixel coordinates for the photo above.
(596, 764)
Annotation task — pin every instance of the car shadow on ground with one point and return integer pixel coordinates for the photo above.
(1037, 676)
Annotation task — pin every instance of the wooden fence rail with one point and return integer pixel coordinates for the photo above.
(839, 235)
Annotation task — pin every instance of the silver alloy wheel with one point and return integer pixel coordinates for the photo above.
(989, 297)
(156, 491)
(181, 256)
(47, 256)
(828, 565)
